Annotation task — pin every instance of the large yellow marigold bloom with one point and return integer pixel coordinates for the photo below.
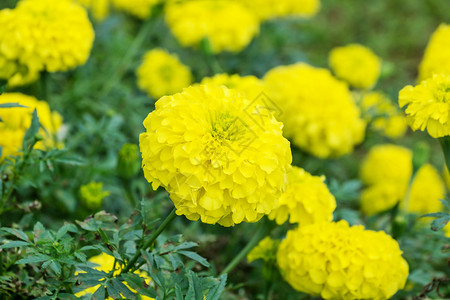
(269, 9)
(427, 189)
(228, 25)
(306, 200)
(336, 261)
(317, 110)
(386, 172)
(43, 35)
(17, 120)
(141, 9)
(162, 73)
(98, 8)
(356, 64)
(383, 115)
(436, 59)
(428, 105)
(250, 86)
(105, 263)
(220, 158)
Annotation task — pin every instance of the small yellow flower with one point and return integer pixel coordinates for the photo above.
(336, 261)
(436, 59)
(317, 110)
(17, 120)
(105, 263)
(384, 116)
(428, 105)
(221, 158)
(306, 200)
(99, 8)
(386, 172)
(141, 9)
(356, 64)
(162, 74)
(228, 25)
(265, 250)
(270, 9)
(92, 195)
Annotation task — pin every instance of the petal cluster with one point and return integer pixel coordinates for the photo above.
(386, 172)
(336, 261)
(356, 64)
(270, 9)
(228, 25)
(141, 9)
(306, 200)
(250, 86)
(17, 120)
(428, 105)
(162, 73)
(436, 59)
(317, 110)
(221, 158)
(265, 250)
(43, 35)
(98, 8)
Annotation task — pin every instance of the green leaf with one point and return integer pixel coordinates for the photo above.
(3, 85)
(216, 291)
(195, 290)
(136, 282)
(185, 245)
(112, 291)
(14, 244)
(16, 232)
(11, 104)
(122, 288)
(436, 215)
(100, 293)
(30, 136)
(178, 293)
(195, 256)
(64, 229)
(33, 259)
(56, 267)
(440, 223)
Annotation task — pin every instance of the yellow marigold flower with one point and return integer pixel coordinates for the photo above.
(162, 73)
(426, 190)
(318, 111)
(356, 64)
(220, 158)
(336, 261)
(141, 9)
(250, 85)
(105, 263)
(386, 172)
(92, 195)
(384, 116)
(436, 59)
(17, 120)
(228, 25)
(99, 8)
(270, 9)
(306, 200)
(265, 250)
(44, 35)
(428, 105)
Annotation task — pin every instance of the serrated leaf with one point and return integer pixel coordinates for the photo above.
(216, 291)
(64, 229)
(178, 293)
(16, 232)
(31, 132)
(56, 267)
(136, 282)
(100, 293)
(33, 259)
(195, 290)
(435, 215)
(185, 245)
(122, 288)
(14, 244)
(195, 256)
(440, 223)
(11, 104)
(80, 256)
(112, 291)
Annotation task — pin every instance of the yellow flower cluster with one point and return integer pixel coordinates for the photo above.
(265, 250)
(250, 86)
(318, 111)
(162, 73)
(219, 157)
(306, 200)
(99, 8)
(17, 120)
(92, 195)
(43, 35)
(228, 25)
(383, 115)
(105, 263)
(386, 172)
(141, 9)
(437, 56)
(427, 189)
(356, 64)
(428, 105)
(336, 261)
(269, 9)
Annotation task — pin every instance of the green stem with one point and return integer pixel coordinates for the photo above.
(209, 56)
(129, 192)
(263, 230)
(150, 241)
(445, 144)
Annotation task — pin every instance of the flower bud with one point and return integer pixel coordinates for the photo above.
(128, 163)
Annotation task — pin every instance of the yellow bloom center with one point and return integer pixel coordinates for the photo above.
(225, 127)
(442, 93)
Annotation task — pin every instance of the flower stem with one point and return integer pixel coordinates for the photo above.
(150, 241)
(211, 60)
(262, 231)
(445, 144)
